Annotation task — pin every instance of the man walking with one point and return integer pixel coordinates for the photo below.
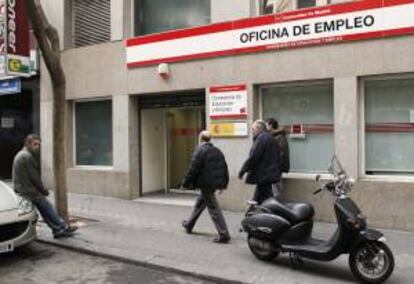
(262, 165)
(27, 183)
(208, 172)
(279, 134)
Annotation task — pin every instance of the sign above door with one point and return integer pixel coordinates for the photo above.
(360, 20)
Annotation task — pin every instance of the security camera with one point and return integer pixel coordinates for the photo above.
(164, 70)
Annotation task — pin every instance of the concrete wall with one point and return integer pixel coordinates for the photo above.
(55, 13)
(117, 19)
(100, 70)
(222, 11)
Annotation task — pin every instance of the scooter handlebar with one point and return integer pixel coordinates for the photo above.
(317, 191)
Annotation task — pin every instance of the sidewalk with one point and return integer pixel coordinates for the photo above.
(151, 234)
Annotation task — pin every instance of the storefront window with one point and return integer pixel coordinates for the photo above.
(309, 107)
(389, 118)
(154, 16)
(280, 6)
(93, 133)
(305, 3)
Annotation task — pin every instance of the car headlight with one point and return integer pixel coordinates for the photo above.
(25, 207)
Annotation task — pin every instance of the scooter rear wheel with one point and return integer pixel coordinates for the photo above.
(372, 262)
(262, 249)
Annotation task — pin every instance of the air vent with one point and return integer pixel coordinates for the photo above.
(91, 22)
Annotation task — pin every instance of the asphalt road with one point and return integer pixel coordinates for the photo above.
(43, 264)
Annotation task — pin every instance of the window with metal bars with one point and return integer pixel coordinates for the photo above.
(91, 22)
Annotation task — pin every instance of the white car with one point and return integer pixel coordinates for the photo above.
(18, 220)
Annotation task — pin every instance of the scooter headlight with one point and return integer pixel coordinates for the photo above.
(351, 181)
(25, 206)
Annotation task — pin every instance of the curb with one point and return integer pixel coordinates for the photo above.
(146, 264)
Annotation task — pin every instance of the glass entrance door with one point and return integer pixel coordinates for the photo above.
(183, 126)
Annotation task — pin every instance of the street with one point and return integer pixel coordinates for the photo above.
(40, 263)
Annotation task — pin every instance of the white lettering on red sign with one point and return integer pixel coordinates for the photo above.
(11, 19)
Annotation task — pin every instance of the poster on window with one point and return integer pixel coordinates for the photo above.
(228, 102)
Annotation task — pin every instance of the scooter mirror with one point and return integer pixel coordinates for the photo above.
(318, 178)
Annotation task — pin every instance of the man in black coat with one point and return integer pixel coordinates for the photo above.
(262, 165)
(208, 172)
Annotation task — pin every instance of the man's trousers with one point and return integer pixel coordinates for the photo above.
(262, 192)
(207, 198)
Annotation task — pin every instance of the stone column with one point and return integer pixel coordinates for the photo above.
(346, 114)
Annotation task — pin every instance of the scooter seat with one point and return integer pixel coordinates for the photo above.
(291, 211)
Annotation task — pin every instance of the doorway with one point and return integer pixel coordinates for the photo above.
(16, 122)
(168, 135)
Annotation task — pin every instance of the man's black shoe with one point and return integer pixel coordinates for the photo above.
(221, 239)
(62, 234)
(71, 228)
(186, 227)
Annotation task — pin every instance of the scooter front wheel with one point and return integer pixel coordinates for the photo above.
(262, 249)
(372, 262)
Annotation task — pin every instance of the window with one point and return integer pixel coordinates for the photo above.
(279, 6)
(154, 16)
(91, 21)
(389, 126)
(305, 3)
(309, 106)
(275, 6)
(93, 133)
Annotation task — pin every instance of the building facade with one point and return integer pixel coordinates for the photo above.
(133, 120)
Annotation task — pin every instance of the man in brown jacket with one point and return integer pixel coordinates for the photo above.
(279, 134)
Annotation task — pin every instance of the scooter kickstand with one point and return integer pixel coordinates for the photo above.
(295, 260)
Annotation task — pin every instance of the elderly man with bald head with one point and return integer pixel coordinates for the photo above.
(208, 172)
(262, 166)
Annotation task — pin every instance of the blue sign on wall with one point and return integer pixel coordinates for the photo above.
(10, 86)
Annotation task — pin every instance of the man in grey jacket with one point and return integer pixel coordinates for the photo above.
(28, 184)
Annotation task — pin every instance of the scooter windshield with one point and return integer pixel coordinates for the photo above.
(336, 168)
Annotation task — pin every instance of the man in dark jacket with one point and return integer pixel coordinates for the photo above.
(279, 134)
(262, 165)
(28, 184)
(208, 172)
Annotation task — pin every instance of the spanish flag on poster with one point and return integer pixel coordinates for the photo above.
(228, 129)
